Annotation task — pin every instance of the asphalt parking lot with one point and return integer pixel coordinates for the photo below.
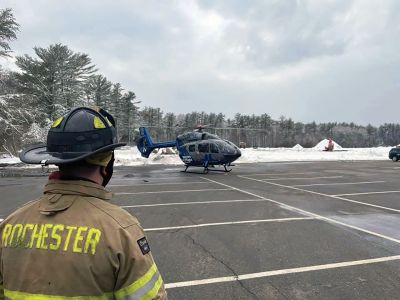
(312, 230)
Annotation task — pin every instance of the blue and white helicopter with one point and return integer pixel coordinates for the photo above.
(196, 149)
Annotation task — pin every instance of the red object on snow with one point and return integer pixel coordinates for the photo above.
(330, 146)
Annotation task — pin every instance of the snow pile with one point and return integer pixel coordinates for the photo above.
(297, 147)
(130, 156)
(324, 143)
(168, 151)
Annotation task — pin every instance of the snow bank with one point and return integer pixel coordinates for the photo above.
(130, 156)
(311, 154)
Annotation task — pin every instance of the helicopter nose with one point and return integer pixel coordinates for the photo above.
(233, 156)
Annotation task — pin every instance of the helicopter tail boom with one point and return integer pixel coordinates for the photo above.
(145, 143)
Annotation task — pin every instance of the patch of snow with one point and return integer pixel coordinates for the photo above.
(5, 159)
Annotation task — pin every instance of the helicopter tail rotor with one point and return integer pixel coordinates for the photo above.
(146, 145)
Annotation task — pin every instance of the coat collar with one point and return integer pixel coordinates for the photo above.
(77, 187)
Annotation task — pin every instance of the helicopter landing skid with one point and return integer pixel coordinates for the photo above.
(207, 169)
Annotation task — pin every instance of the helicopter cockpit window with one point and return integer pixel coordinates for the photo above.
(230, 143)
(204, 147)
(228, 147)
(192, 148)
(214, 148)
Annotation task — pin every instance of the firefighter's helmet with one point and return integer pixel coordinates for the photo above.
(75, 136)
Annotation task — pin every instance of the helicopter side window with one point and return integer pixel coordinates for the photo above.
(214, 148)
(204, 147)
(192, 148)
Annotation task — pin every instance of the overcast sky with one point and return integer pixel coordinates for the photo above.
(308, 60)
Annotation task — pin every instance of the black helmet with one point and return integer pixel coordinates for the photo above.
(78, 134)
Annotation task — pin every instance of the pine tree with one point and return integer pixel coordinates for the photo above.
(127, 121)
(15, 121)
(8, 30)
(98, 91)
(115, 105)
(56, 78)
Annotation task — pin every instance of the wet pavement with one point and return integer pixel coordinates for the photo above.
(312, 230)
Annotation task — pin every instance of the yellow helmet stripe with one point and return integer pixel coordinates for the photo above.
(98, 123)
(57, 122)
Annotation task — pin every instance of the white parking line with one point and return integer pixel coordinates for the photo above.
(230, 223)
(368, 193)
(179, 191)
(329, 220)
(302, 178)
(167, 183)
(339, 183)
(282, 272)
(1, 220)
(390, 168)
(281, 174)
(188, 203)
(148, 178)
(326, 195)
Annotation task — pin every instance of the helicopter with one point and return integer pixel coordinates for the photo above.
(196, 149)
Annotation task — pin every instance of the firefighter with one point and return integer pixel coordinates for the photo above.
(72, 242)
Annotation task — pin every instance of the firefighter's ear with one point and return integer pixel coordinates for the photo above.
(107, 172)
(103, 172)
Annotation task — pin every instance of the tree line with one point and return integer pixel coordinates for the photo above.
(263, 131)
(56, 79)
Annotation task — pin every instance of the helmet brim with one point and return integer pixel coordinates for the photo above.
(38, 154)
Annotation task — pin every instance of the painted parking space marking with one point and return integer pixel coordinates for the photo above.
(324, 195)
(283, 205)
(193, 203)
(282, 272)
(367, 193)
(166, 183)
(302, 178)
(145, 179)
(179, 191)
(389, 168)
(1, 220)
(231, 223)
(282, 174)
(339, 183)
